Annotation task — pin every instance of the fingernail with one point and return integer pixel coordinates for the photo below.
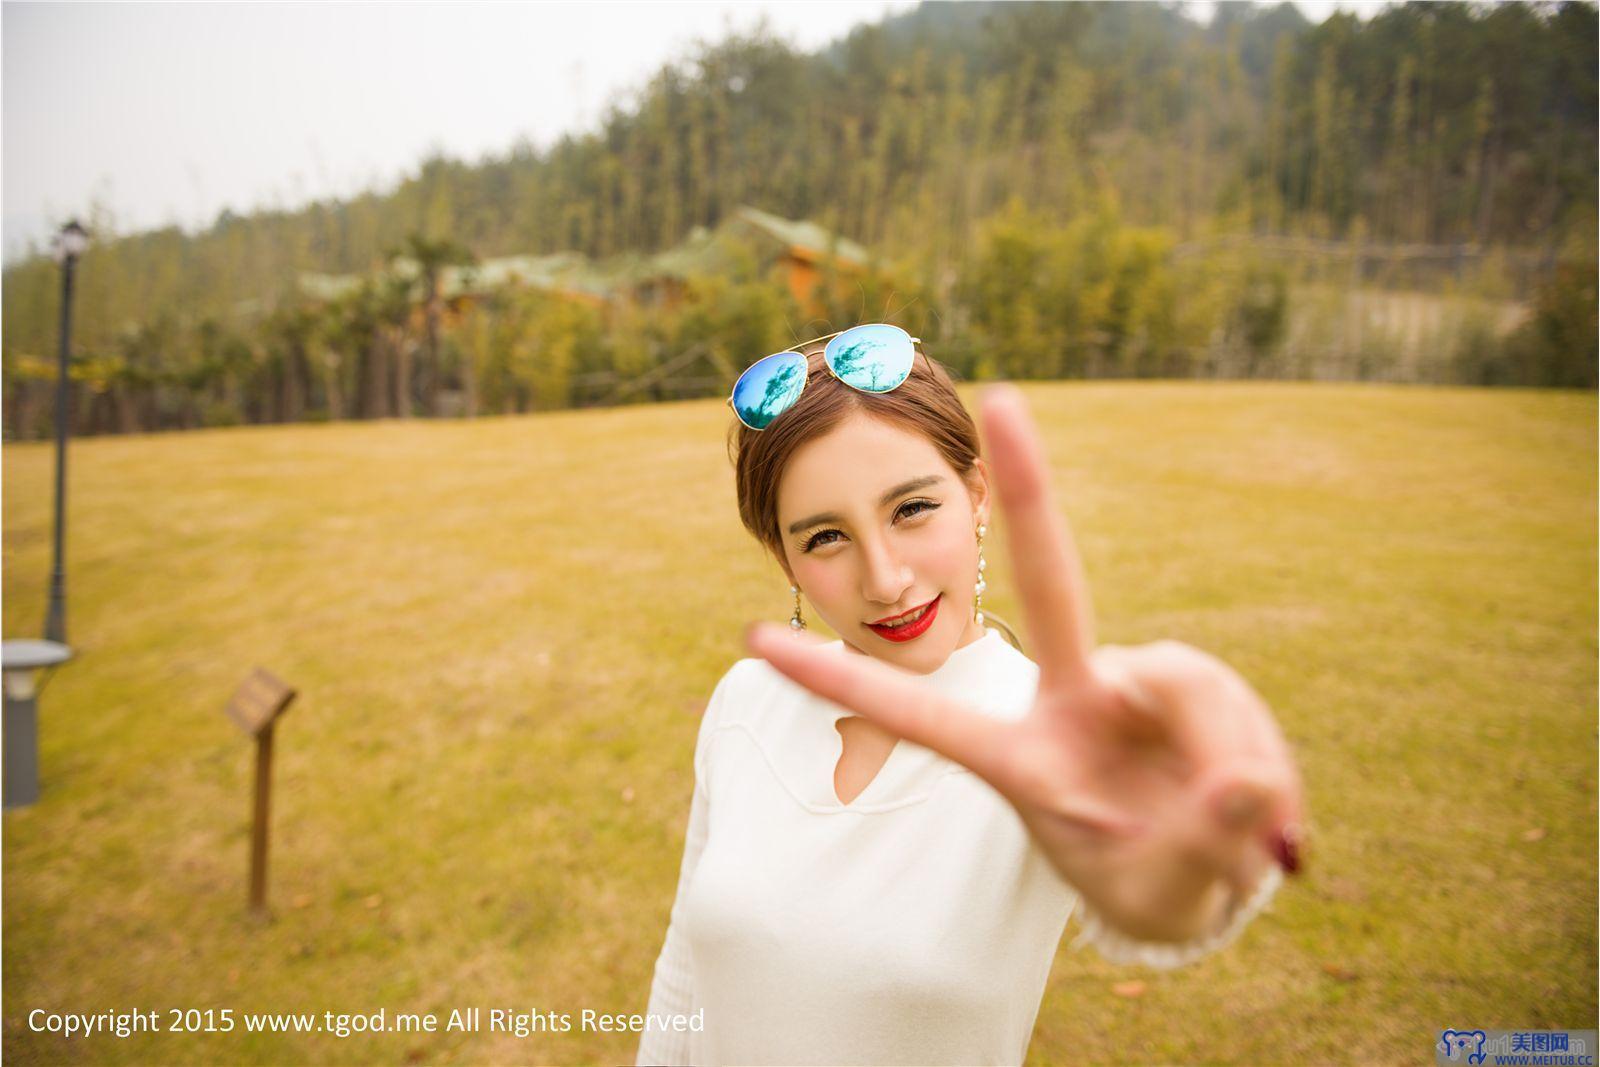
(1288, 846)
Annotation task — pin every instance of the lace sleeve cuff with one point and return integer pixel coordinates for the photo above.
(1118, 947)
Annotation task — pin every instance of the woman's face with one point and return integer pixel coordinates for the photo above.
(864, 543)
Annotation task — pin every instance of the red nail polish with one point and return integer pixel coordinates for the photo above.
(1287, 846)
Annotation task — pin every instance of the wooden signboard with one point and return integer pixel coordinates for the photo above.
(255, 707)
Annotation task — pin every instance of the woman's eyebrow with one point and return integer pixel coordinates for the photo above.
(903, 487)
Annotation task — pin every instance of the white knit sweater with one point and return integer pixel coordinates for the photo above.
(914, 925)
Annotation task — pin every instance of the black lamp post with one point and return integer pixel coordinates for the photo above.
(69, 245)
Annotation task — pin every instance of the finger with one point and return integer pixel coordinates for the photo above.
(1132, 711)
(1050, 576)
(1217, 718)
(1080, 812)
(1212, 714)
(1243, 804)
(1280, 824)
(1289, 821)
(896, 701)
(1289, 840)
(1232, 819)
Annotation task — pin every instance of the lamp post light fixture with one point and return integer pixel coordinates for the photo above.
(20, 660)
(70, 243)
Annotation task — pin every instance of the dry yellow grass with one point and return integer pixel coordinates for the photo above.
(500, 628)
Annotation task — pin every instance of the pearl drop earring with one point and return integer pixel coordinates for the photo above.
(796, 623)
(977, 589)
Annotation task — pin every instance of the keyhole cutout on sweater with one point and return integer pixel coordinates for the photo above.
(866, 748)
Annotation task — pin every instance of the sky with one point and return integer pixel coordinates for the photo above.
(167, 113)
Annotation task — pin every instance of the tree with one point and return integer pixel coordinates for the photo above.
(430, 257)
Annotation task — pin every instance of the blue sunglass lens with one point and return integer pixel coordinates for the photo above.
(874, 359)
(768, 387)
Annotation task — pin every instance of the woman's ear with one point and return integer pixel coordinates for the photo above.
(783, 562)
(978, 488)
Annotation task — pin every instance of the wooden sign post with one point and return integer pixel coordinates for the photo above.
(255, 708)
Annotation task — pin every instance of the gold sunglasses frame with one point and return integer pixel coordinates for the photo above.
(915, 341)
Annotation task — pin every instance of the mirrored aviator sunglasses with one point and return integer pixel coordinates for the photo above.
(874, 358)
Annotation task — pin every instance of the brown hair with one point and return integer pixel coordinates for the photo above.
(925, 403)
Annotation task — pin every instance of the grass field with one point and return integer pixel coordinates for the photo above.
(503, 633)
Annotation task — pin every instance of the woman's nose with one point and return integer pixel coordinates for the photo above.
(886, 578)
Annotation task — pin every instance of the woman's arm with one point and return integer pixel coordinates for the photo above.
(1118, 947)
(672, 992)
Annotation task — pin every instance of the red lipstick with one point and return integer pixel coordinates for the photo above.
(910, 630)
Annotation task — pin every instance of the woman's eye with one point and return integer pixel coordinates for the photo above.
(817, 539)
(908, 509)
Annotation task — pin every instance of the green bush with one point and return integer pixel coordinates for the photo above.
(1557, 346)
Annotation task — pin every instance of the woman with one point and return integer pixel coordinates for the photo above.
(889, 830)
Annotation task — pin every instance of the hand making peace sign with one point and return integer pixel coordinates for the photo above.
(1153, 776)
